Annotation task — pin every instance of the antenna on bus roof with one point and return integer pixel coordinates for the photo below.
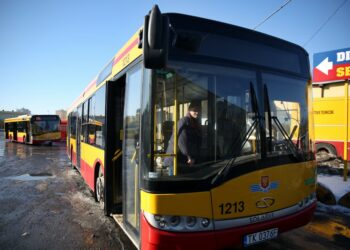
(155, 37)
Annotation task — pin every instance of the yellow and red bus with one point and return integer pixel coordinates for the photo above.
(33, 129)
(63, 129)
(331, 108)
(255, 173)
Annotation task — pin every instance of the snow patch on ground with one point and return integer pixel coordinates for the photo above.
(336, 184)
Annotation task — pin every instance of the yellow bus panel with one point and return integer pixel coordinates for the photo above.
(329, 114)
(91, 154)
(286, 185)
(184, 204)
(291, 184)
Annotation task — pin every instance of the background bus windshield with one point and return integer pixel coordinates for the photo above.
(41, 125)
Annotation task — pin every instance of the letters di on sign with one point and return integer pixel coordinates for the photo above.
(343, 56)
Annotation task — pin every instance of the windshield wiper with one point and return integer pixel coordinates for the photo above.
(287, 138)
(256, 120)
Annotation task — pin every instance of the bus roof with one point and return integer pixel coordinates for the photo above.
(126, 55)
(23, 118)
(18, 118)
(130, 51)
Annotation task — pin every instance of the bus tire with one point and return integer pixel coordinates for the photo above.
(71, 158)
(100, 188)
(327, 148)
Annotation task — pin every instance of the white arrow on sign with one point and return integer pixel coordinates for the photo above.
(325, 66)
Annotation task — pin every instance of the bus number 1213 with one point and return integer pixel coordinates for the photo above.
(229, 208)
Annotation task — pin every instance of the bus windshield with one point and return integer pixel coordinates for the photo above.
(42, 125)
(239, 119)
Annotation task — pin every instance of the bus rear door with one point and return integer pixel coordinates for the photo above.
(79, 119)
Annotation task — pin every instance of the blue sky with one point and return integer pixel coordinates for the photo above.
(51, 49)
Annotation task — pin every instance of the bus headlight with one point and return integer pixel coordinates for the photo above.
(308, 200)
(179, 223)
(301, 203)
(205, 222)
(162, 224)
(157, 217)
(175, 221)
(191, 221)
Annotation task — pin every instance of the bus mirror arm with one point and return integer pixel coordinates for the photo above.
(155, 39)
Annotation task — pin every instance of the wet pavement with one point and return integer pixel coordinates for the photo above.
(44, 204)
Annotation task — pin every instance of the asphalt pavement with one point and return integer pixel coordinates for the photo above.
(45, 204)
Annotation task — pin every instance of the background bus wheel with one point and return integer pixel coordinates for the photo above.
(325, 151)
(326, 147)
(100, 187)
(71, 158)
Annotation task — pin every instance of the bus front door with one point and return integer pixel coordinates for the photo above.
(15, 131)
(114, 144)
(26, 130)
(79, 119)
(122, 197)
(7, 131)
(130, 150)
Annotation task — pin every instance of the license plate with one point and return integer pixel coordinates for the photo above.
(251, 239)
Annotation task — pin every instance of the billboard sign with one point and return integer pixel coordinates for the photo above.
(331, 66)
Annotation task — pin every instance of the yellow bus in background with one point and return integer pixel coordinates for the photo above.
(331, 118)
(33, 129)
(254, 176)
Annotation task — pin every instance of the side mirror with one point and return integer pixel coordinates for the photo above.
(155, 39)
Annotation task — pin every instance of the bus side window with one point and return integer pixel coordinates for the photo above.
(92, 122)
(85, 125)
(99, 117)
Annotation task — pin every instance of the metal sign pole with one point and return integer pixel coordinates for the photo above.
(346, 130)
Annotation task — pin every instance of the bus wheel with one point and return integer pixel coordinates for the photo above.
(325, 151)
(100, 188)
(71, 158)
(325, 147)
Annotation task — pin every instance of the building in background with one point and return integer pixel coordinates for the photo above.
(63, 124)
(62, 114)
(9, 114)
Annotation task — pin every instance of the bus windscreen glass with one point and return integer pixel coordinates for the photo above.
(232, 125)
(45, 124)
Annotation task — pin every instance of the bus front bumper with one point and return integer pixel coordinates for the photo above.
(152, 238)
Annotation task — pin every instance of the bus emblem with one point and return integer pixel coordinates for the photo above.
(265, 202)
(264, 186)
(264, 183)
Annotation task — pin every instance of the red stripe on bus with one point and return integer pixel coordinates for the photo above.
(92, 83)
(127, 50)
(88, 172)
